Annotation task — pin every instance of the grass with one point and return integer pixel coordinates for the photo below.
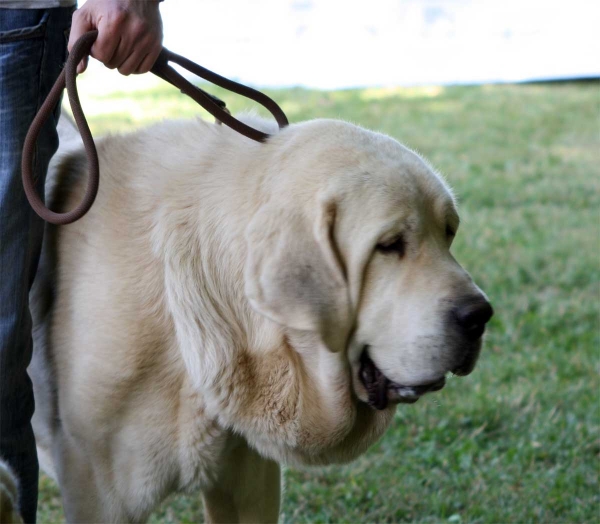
(518, 440)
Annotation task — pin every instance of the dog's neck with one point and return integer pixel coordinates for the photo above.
(199, 234)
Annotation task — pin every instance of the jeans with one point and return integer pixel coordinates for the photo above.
(32, 52)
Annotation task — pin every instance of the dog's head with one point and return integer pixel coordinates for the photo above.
(353, 244)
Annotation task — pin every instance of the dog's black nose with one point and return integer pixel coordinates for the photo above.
(472, 314)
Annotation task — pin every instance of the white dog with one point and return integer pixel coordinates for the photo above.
(8, 496)
(227, 306)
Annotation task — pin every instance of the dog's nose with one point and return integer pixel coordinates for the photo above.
(472, 314)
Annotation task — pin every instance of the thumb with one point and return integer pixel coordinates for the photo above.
(81, 24)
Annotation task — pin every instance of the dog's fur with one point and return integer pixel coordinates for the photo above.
(8, 496)
(204, 322)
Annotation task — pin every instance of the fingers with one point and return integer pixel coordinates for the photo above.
(131, 64)
(148, 61)
(129, 33)
(82, 66)
(80, 25)
(106, 45)
(138, 54)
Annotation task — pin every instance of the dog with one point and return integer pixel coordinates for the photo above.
(8, 496)
(228, 306)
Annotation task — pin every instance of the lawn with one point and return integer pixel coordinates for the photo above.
(518, 440)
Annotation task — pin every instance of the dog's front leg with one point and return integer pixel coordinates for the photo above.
(80, 495)
(88, 485)
(248, 490)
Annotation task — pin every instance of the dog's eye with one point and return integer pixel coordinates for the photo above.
(450, 233)
(396, 245)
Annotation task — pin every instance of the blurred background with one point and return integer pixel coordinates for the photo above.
(503, 98)
(333, 44)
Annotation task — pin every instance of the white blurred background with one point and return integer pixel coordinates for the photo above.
(332, 44)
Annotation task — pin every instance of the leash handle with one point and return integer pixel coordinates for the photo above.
(162, 69)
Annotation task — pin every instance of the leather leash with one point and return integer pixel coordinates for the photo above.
(161, 69)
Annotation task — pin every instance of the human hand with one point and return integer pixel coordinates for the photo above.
(129, 33)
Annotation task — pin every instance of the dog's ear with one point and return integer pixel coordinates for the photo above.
(294, 273)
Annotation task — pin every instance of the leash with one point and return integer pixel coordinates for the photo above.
(163, 70)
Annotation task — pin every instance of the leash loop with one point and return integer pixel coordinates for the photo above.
(162, 69)
(67, 77)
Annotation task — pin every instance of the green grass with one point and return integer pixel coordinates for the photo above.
(518, 440)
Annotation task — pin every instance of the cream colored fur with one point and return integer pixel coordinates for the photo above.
(204, 322)
(8, 496)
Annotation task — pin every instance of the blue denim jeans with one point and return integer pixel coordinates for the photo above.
(32, 52)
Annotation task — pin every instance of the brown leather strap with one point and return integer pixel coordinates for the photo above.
(212, 104)
(80, 49)
(162, 69)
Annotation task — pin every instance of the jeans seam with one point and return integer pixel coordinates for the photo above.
(40, 101)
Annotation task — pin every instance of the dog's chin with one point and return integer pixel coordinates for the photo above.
(381, 392)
